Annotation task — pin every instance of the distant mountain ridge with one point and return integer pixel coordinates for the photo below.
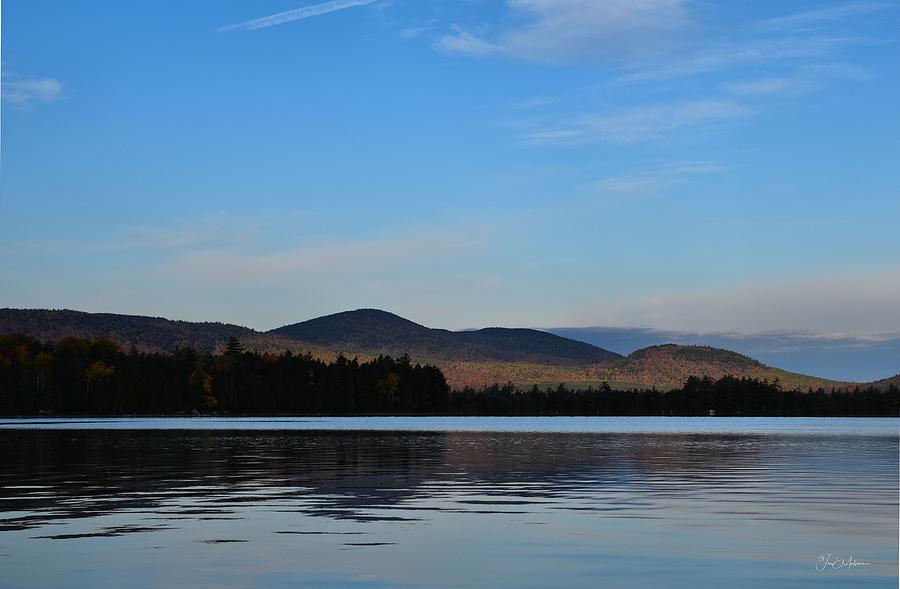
(672, 364)
(364, 331)
(375, 331)
(840, 357)
(886, 382)
(146, 333)
(468, 358)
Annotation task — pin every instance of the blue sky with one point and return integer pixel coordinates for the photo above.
(660, 163)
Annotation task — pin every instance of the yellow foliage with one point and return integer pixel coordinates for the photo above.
(43, 361)
(99, 371)
(201, 380)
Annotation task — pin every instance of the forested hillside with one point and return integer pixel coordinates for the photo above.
(475, 358)
(374, 331)
(671, 365)
(152, 334)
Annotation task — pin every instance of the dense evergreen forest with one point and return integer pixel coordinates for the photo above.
(78, 376)
(94, 377)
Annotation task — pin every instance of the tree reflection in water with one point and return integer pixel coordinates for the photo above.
(768, 494)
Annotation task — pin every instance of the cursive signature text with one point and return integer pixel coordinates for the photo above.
(832, 561)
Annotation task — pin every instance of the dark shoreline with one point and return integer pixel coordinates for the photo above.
(76, 377)
(293, 416)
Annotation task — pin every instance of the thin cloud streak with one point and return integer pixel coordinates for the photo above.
(565, 31)
(808, 78)
(535, 102)
(714, 58)
(656, 179)
(227, 266)
(297, 14)
(638, 124)
(831, 13)
(25, 92)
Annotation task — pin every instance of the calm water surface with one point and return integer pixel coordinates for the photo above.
(448, 502)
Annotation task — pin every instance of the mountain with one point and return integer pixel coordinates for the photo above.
(528, 356)
(841, 357)
(467, 358)
(672, 364)
(378, 332)
(367, 329)
(665, 366)
(532, 345)
(152, 334)
(886, 382)
(363, 332)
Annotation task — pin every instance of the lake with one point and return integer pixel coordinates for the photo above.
(449, 502)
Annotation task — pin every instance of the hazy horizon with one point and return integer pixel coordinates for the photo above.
(827, 355)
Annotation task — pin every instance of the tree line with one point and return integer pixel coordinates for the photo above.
(95, 377)
(77, 376)
(725, 397)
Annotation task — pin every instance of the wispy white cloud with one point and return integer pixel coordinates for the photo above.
(558, 136)
(297, 14)
(837, 70)
(691, 168)
(535, 102)
(637, 124)
(29, 91)
(557, 31)
(638, 183)
(465, 43)
(417, 31)
(225, 265)
(413, 32)
(203, 231)
(710, 58)
(791, 64)
(655, 179)
(759, 86)
(831, 13)
(805, 79)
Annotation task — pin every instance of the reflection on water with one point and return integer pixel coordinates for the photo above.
(290, 508)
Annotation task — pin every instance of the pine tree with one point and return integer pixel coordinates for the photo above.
(233, 347)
